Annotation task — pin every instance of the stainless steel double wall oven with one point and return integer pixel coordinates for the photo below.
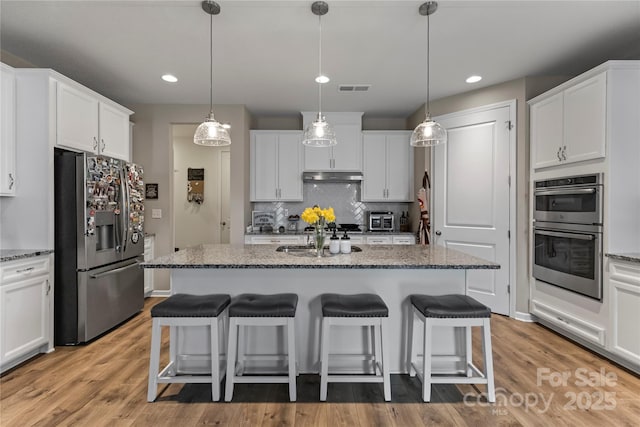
(567, 247)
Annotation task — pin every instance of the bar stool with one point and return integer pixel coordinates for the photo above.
(457, 311)
(356, 310)
(260, 310)
(186, 310)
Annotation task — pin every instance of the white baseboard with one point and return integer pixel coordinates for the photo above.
(525, 317)
(160, 294)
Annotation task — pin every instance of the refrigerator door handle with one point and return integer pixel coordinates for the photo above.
(125, 219)
(124, 212)
(114, 271)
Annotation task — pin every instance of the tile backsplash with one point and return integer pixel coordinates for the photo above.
(344, 198)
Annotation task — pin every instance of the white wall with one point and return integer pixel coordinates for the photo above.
(152, 148)
(195, 223)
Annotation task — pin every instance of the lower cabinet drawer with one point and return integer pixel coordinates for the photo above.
(572, 324)
(22, 269)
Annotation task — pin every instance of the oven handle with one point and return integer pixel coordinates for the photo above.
(562, 234)
(565, 191)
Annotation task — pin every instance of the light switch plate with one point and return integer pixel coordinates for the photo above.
(156, 213)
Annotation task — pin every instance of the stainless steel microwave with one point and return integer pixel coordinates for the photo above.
(574, 200)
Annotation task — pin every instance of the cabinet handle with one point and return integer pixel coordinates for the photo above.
(11, 181)
(48, 287)
(95, 143)
(24, 270)
(438, 233)
(564, 153)
(103, 144)
(558, 154)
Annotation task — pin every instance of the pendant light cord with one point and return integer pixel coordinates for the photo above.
(211, 64)
(428, 115)
(320, 68)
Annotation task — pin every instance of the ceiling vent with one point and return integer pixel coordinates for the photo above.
(353, 88)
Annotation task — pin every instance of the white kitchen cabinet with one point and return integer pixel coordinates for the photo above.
(379, 240)
(570, 126)
(7, 131)
(276, 173)
(387, 166)
(86, 122)
(404, 239)
(346, 155)
(274, 239)
(26, 309)
(149, 254)
(624, 290)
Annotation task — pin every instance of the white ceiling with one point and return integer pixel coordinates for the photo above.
(266, 52)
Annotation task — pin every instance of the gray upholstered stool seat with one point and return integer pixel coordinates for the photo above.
(185, 310)
(356, 310)
(453, 305)
(359, 305)
(260, 310)
(457, 311)
(187, 305)
(255, 305)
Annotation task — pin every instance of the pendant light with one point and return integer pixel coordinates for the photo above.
(319, 133)
(429, 132)
(210, 132)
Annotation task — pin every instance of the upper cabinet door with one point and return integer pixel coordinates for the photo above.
(547, 132)
(374, 167)
(347, 154)
(585, 115)
(76, 119)
(114, 132)
(7, 132)
(289, 170)
(318, 158)
(399, 167)
(264, 166)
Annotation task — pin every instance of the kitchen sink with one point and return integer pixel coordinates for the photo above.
(304, 250)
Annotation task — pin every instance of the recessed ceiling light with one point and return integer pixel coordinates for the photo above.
(322, 79)
(169, 78)
(473, 79)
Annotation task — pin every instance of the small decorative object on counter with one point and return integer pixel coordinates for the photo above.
(345, 244)
(334, 244)
(318, 218)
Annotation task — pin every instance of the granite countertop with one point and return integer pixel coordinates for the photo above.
(626, 256)
(371, 257)
(14, 254)
(339, 234)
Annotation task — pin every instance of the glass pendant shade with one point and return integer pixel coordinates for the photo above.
(319, 134)
(211, 133)
(428, 134)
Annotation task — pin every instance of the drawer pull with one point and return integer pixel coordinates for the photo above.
(24, 270)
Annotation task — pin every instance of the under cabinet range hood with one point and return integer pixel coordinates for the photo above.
(328, 176)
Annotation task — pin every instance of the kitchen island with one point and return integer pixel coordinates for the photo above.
(391, 271)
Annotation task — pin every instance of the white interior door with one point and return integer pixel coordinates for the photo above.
(225, 194)
(471, 198)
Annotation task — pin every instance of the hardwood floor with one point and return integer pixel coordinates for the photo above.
(105, 383)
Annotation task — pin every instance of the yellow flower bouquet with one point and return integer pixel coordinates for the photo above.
(318, 218)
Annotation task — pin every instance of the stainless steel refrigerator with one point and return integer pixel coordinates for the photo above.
(99, 242)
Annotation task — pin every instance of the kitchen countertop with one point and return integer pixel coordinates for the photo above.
(371, 257)
(14, 254)
(303, 233)
(628, 256)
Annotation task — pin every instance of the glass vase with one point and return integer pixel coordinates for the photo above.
(319, 238)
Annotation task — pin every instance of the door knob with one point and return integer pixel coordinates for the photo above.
(438, 233)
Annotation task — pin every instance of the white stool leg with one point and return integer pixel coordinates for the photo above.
(488, 359)
(375, 347)
(468, 351)
(231, 358)
(384, 343)
(412, 350)
(291, 343)
(426, 363)
(173, 343)
(242, 342)
(324, 358)
(154, 360)
(215, 361)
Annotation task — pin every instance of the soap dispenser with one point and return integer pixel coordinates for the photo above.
(334, 243)
(345, 244)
